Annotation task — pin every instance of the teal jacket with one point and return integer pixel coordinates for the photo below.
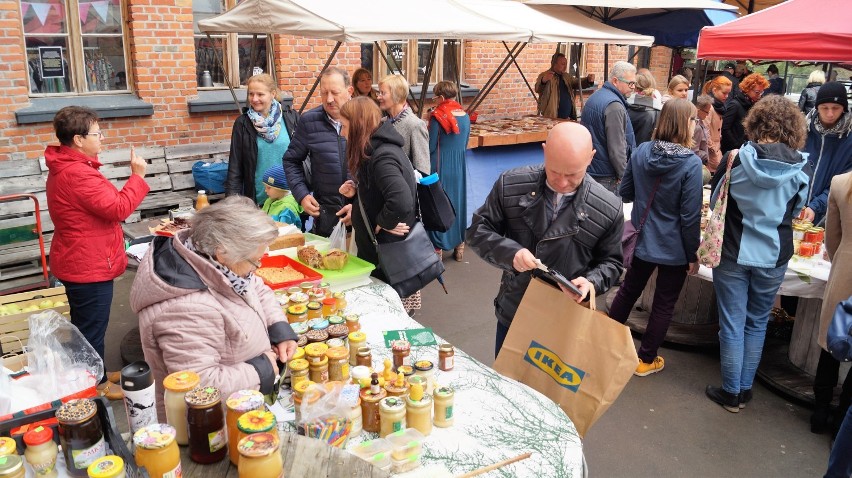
(285, 210)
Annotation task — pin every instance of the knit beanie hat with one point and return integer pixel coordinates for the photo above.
(833, 92)
(274, 177)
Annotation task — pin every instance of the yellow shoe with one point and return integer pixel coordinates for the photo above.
(110, 391)
(644, 369)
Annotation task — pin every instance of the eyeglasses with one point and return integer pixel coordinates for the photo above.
(630, 84)
(256, 264)
(95, 133)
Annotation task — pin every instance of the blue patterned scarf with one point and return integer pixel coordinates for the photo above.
(269, 127)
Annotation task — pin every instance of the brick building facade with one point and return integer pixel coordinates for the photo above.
(155, 108)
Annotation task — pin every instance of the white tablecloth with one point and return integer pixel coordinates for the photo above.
(495, 417)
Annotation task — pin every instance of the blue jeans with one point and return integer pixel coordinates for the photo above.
(744, 296)
(840, 460)
(90, 304)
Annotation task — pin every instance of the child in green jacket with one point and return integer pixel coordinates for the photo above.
(280, 204)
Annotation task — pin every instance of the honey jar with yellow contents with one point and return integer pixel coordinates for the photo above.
(297, 313)
(256, 421)
(260, 456)
(236, 405)
(157, 450)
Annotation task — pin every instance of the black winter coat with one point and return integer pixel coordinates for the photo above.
(644, 120)
(583, 240)
(242, 160)
(387, 188)
(807, 100)
(733, 131)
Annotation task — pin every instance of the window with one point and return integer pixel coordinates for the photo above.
(576, 55)
(74, 46)
(242, 55)
(448, 59)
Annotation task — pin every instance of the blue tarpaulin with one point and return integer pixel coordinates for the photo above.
(674, 29)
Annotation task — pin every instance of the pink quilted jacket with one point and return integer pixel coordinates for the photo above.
(190, 318)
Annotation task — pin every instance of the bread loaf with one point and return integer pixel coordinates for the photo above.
(287, 240)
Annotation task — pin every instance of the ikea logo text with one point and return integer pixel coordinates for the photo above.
(550, 363)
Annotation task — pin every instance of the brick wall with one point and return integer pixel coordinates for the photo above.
(162, 61)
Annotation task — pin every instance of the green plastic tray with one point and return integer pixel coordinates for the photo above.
(355, 267)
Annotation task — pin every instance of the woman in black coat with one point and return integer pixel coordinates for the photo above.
(740, 102)
(384, 178)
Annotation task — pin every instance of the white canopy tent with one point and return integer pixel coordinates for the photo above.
(347, 21)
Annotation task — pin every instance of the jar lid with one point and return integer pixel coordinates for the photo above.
(317, 335)
(183, 381)
(154, 436)
(338, 330)
(360, 371)
(322, 361)
(298, 364)
(444, 392)
(314, 305)
(302, 341)
(294, 290)
(357, 336)
(400, 345)
(10, 464)
(203, 397)
(76, 411)
(445, 348)
(297, 309)
(364, 351)
(325, 285)
(109, 466)
(329, 301)
(406, 370)
(318, 324)
(335, 342)
(337, 353)
(299, 298)
(392, 404)
(256, 421)
(9, 447)
(352, 317)
(338, 295)
(299, 327)
(245, 400)
(307, 285)
(423, 365)
(373, 397)
(299, 353)
(335, 320)
(36, 436)
(301, 387)
(316, 350)
(258, 445)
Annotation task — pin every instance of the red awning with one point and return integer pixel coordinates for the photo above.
(796, 30)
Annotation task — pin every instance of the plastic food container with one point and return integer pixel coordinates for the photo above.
(283, 261)
(406, 445)
(376, 452)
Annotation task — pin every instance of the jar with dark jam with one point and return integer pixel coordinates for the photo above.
(208, 442)
(81, 435)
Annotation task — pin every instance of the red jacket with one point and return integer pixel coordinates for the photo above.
(86, 210)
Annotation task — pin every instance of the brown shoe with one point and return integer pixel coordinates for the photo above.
(110, 391)
(458, 252)
(114, 377)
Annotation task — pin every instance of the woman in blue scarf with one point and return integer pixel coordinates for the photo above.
(259, 139)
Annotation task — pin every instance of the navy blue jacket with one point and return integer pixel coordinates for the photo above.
(594, 120)
(828, 155)
(676, 210)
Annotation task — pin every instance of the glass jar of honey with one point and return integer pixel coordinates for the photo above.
(446, 357)
(339, 331)
(298, 371)
(318, 371)
(392, 413)
(260, 456)
(370, 414)
(208, 440)
(353, 322)
(256, 421)
(315, 352)
(418, 406)
(176, 385)
(338, 364)
(298, 354)
(340, 297)
(426, 369)
(12, 466)
(316, 335)
(41, 451)
(157, 451)
(300, 328)
(236, 405)
(297, 313)
(356, 340)
(80, 434)
(298, 393)
(110, 466)
(329, 306)
(314, 310)
(364, 357)
(8, 446)
(401, 353)
(443, 399)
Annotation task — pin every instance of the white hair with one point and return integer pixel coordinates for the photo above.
(704, 100)
(621, 68)
(817, 76)
(233, 227)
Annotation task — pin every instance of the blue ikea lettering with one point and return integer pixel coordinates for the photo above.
(548, 362)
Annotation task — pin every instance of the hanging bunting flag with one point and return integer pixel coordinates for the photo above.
(84, 11)
(102, 9)
(25, 7)
(41, 10)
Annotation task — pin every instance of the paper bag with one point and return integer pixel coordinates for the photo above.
(578, 357)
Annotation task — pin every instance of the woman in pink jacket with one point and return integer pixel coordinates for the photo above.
(201, 308)
(87, 251)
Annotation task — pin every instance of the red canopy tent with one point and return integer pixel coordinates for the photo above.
(796, 30)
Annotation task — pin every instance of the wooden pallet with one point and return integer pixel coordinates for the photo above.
(15, 327)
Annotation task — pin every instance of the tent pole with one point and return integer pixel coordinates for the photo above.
(606, 60)
(270, 53)
(319, 77)
(580, 77)
(253, 55)
(227, 77)
(523, 77)
(505, 69)
(476, 100)
(454, 61)
(433, 50)
(394, 67)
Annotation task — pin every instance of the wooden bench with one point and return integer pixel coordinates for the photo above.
(169, 175)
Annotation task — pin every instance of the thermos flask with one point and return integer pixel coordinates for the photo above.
(137, 382)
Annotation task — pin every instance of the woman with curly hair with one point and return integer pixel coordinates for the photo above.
(719, 88)
(767, 190)
(751, 90)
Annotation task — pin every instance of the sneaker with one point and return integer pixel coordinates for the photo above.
(728, 401)
(645, 369)
(744, 397)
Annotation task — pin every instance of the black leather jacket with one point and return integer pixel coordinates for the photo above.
(584, 240)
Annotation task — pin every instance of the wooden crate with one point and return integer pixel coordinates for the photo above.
(15, 328)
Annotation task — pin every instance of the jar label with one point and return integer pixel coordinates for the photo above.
(175, 473)
(83, 458)
(344, 370)
(44, 468)
(448, 363)
(448, 412)
(397, 426)
(217, 440)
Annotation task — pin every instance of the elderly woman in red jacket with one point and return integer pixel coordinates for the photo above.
(87, 251)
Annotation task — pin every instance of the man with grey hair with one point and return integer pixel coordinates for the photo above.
(605, 116)
(317, 141)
